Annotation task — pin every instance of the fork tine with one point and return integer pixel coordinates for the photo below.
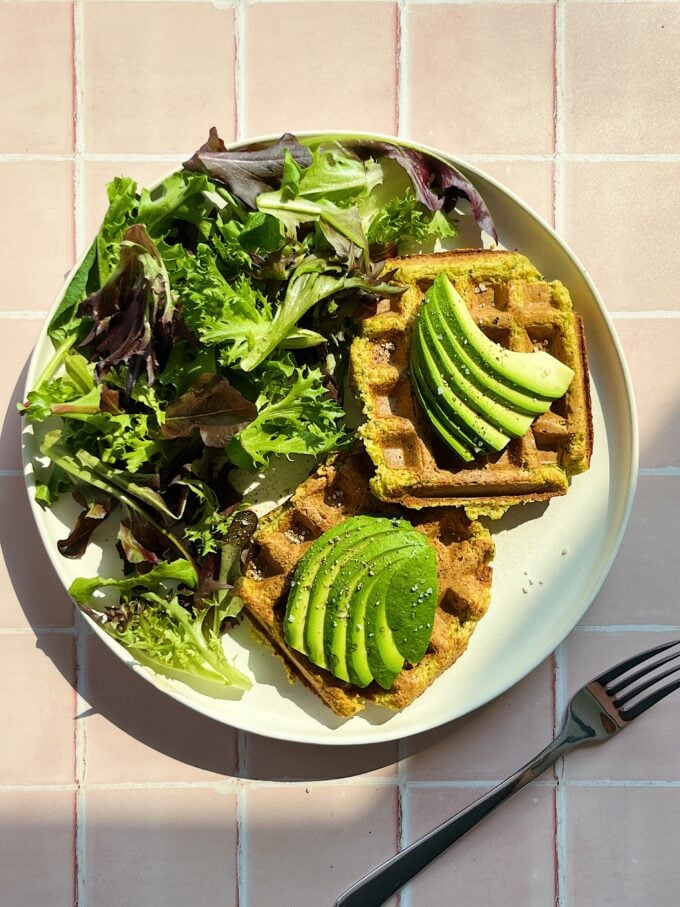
(644, 671)
(635, 710)
(633, 661)
(650, 681)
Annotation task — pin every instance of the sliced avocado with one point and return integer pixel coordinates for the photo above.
(301, 585)
(458, 411)
(347, 550)
(351, 591)
(358, 667)
(350, 579)
(411, 603)
(449, 432)
(507, 420)
(454, 344)
(384, 661)
(538, 372)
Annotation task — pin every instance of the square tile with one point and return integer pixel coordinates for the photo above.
(480, 77)
(163, 846)
(531, 181)
(36, 75)
(37, 709)
(278, 760)
(508, 859)
(335, 67)
(135, 733)
(642, 586)
(38, 251)
(618, 218)
(647, 750)
(621, 846)
(30, 591)
(623, 100)
(655, 343)
(468, 749)
(158, 76)
(307, 844)
(99, 173)
(39, 824)
(18, 338)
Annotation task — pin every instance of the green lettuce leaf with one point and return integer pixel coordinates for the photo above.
(295, 416)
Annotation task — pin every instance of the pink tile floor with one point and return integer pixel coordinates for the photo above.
(112, 794)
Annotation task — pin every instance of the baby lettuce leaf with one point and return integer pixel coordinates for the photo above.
(212, 408)
(179, 571)
(181, 196)
(121, 213)
(131, 315)
(247, 173)
(234, 316)
(96, 508)
(296, 415)
(311, 282)
(437, 183)
(83, 469)
(324, 193)
(185, 645)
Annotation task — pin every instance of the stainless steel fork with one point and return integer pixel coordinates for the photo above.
(595, 713)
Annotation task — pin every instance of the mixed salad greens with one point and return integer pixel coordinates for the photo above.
(204, 331)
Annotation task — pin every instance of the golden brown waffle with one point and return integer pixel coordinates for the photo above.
(333, 493)
(515, 307)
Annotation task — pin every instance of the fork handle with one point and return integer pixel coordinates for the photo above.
(376, 887)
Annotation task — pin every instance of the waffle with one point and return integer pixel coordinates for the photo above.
(333, 493)
(515, 307)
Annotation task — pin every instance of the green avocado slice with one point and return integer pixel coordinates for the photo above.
(449, 432)
(507, 420)
(348, 581)
(350, 550)
(458, 411)
(537, 372)
(358, 667)
(298, 599)
(455, 345)
(384, 659)
(411, 603)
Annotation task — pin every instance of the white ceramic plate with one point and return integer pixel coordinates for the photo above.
(550, 560)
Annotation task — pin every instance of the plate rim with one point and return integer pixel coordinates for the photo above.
(374, 733)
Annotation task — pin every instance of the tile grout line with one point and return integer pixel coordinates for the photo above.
(37, 631)
(79, 145)
(80, 743)
(241, 822)
(402, 829)
(232, 786)
(239, 69)
(560, 792)
(558, 172)
(402, 66)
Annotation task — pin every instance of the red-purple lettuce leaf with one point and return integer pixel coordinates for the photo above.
(437, 183)
(96, 508)
(132, 314)
(212, 407)
(247, 173)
